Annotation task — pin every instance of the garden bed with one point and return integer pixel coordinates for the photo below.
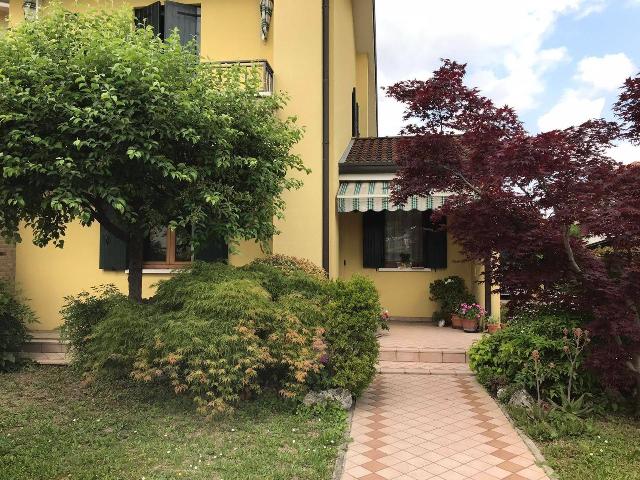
(54, 426)
(610, 450)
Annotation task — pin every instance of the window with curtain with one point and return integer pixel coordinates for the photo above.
(167, 248)
(403, 240)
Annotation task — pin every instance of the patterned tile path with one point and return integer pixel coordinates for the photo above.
(440, 427)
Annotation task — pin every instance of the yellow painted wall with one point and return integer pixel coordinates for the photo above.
(46, 275)
(362, 92)
(4, 19)
(297, 62)
(342, 81)
(404, 294)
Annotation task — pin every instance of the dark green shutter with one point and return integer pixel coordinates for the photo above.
(213, 250)
(113, 251)
(373, 239)
(149, 15)
(186, 18)
(434, 242)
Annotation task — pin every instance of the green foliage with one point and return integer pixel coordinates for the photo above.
(15, 316)
(81, 313)
(281, 283)
(226, 342)
(507, 353)
(449, 292)
(580, 407)
(221, 334)
(103, 122)
(288, 264)
(545, 425)
(353, 318)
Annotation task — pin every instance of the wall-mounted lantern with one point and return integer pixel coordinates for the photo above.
(30, 9)
(266, 10)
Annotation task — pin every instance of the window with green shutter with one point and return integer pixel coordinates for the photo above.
(403, 240)
(172, 15)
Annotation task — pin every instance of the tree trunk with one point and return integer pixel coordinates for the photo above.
(135, 250)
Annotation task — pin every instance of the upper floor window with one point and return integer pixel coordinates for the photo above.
(355, 115)
(165, 18)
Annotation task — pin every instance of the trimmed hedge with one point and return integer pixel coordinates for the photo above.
(222, 334)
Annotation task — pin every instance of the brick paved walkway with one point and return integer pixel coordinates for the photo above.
(440, 427)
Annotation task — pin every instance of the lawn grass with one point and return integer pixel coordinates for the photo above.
(54, 427)
(611, 452)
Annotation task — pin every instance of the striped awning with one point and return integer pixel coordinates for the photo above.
(365, 196)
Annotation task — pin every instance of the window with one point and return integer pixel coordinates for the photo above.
(167, 248)
(355, 115)
(165, 18)
(402, 240)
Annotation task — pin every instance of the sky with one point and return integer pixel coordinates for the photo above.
(557, 62)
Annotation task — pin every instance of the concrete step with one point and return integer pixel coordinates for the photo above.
(45, 341)
(423, 368)
(47, 358)
(424, 355)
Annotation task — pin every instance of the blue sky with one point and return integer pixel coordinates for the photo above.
(558, 62)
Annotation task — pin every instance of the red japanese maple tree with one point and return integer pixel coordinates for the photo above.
(535, 199)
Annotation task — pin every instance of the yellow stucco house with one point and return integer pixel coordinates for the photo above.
(323, 54)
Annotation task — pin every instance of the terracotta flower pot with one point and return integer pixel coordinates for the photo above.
(493, 327)
(456, 321)
(469, 325)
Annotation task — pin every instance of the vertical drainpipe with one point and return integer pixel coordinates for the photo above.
(487, 287)
(325, 135)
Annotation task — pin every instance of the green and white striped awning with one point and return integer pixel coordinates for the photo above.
(365, 196)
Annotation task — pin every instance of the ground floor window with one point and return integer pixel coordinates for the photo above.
(403, 240)
(167, 248)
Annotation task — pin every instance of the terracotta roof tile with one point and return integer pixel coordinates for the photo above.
(373, 151)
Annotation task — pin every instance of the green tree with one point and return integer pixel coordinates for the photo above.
(102, 121)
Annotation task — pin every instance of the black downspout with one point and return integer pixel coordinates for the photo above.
(325, 135)
(487, 287)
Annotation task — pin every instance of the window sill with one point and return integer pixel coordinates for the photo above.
(157, 271)
(391, 269)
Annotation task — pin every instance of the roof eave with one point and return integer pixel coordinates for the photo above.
(367, 168)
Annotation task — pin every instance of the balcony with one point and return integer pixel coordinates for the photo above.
(261, 66)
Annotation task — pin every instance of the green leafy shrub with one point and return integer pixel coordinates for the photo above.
(105, 330)
(352, 322)
(506, 354)
(226, 342)
(449, 292)
(14, 318)
(81, 313)
(288, 265)
(281, 283)
(546, 425)
(221, 334)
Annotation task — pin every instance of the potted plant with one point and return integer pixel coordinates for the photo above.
(449, 293)
(493, 325)
(472, 316)
(456, 321)
(405, 261)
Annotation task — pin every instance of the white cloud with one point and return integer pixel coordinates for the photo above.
(625, 152)
(573, 108)
(500, 39)
(607, 72)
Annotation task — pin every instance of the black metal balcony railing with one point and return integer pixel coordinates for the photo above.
(262, 66)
